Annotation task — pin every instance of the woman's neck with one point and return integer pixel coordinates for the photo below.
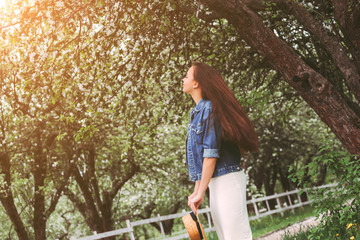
(196, 97)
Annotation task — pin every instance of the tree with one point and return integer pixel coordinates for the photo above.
(333, 32)
(88, 90)
(77, 103)
(290, 133)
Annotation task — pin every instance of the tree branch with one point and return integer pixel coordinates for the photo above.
(117, 185)
(81, 208)
(56, 197)
(316, 90)
(327, 40)
(201, 15)
(89, 201)
(348, 18)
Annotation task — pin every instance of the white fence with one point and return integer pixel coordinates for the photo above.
(260, 205)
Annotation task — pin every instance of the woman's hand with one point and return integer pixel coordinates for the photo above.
(195, 201)
(191, 197)
(196, 190)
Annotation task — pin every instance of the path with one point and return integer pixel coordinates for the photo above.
(276, 235)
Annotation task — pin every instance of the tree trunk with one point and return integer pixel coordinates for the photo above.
(88, 209)
(106, 210)
(96, 208)
(349, 20)
(284, 180)
(7, 200)
(321, 180)
(317, 91)
(286, 185)
(11, 211)
(167, 224)
(269, 183)
(39, 197)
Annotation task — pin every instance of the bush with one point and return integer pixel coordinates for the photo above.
(338, 208)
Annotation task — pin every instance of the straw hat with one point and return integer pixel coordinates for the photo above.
(193, 226)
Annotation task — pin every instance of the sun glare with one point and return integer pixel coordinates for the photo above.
(2, 3)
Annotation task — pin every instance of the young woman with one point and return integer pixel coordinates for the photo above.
(219, 131)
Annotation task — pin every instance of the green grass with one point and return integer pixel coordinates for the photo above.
(275, 222)
(301, 235)
(269, 224)
(211, 237)
(259, 227)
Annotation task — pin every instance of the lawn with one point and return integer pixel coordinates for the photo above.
(275, 222)
(259, 227)
(269, 224)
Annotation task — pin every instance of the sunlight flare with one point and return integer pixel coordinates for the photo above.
(3, 3)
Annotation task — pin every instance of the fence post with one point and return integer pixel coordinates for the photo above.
(131, 231)
(209, 221)
(268, 207)
(161, 227)
(307, 196)
(255, 207)
(278, 202)
(299, 198)
(289, 198)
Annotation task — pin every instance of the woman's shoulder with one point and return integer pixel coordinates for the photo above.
(207, 105)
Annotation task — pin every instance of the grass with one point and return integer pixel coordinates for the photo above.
(275, 222)
(212, 236)
(301, 235)
(269, 224)
(259, 227)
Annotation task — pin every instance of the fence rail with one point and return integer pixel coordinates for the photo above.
(260, 205)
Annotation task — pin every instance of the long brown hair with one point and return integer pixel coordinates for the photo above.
(236, 125)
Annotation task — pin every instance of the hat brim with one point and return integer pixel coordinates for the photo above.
(193, 228)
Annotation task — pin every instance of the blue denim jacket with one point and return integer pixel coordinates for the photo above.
(203, 139)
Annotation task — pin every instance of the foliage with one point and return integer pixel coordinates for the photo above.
(90, 108)
(83, 83)
(289, 134)
(6, 231)
(83, 92)
(337, 208)
(312, 45)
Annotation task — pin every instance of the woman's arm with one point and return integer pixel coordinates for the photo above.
(196, 189)
(201, 186)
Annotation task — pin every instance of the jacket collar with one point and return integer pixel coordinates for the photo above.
(200, 105)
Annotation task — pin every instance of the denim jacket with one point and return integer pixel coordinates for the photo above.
(203, 139)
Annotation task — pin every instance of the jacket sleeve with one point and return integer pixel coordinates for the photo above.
(210, 141)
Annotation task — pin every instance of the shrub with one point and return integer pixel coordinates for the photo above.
(338, 208)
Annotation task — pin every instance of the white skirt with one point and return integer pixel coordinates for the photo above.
(228, 206)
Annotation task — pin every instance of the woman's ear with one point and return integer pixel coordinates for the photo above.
(196, 84)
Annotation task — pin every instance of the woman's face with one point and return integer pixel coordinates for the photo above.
(189, 81)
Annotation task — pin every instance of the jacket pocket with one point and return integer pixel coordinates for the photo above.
(198, 133)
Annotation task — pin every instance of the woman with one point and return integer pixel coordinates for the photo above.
(219, 131)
